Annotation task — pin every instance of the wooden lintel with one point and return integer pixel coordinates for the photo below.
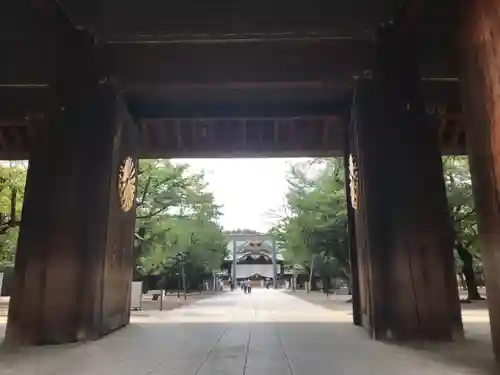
(145, 134)
(287, 135)
(4, 144)
(13, 123)
(276, 129)
(307, 60)
(243, 125)
(177, 132)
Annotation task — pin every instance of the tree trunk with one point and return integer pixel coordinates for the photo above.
(13, 201)
(468, 271)
(313, 284)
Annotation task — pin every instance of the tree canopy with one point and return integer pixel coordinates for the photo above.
(12, 183)
(176, 215)
(314, 229)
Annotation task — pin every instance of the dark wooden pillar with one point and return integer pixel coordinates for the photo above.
(74, 260)
(351, 226)
(403, 228)
(480, 37)
(75, 254)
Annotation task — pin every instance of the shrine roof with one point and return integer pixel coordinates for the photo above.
(229, 258)
(245, 244)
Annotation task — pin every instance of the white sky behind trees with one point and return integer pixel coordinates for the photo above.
(248, 189)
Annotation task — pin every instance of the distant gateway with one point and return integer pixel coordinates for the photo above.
(251, 256)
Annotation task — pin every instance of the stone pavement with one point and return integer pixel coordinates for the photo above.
(265, 333)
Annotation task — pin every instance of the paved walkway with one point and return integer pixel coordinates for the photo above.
(265, 333)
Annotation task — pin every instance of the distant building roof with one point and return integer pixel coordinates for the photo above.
(245, 244)
(279, 257)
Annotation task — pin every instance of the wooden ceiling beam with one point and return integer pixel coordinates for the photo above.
(4, 144)
(244, 62)
(297, 136)
(151, 19)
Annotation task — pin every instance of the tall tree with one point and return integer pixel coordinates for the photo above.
(12, 183)
(314, 228)
(314, 231)
(176, 216)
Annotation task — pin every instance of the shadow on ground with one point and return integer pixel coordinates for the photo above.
(269, 333)
(205, 349)
(474, 352)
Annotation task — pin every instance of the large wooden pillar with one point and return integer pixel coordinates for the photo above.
(74, 259)
(480, 41)
(75, 254)
(403, 229)
(351, 228)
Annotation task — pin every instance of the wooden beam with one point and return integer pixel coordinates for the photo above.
(199, 19)
(410, 14)
(162, 137)
(4, 143)
(246, 62)
(145, 133)
(177, 132)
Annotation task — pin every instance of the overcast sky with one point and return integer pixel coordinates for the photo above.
(247, 188)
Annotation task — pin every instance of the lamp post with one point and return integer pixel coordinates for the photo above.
(275, 263)
(181, 257)
(183, 281)
(178, 285)
(313, 258)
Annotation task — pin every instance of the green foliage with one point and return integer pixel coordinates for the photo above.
(176, 215)
(462, 210)
(12, 183)
(314, 229)
(314, 226)
(8, 245)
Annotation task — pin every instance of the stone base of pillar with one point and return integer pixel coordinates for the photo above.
(74, 261)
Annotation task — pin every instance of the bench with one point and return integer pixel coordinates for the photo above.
(156, 293)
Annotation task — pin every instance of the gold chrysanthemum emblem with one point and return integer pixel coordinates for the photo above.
(353, 181)
(126, 184)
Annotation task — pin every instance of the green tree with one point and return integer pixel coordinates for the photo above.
(12, 183)
(176, 215)
(314, 229)
(463, 215)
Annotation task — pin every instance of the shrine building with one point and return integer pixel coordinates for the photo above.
(255, 257)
